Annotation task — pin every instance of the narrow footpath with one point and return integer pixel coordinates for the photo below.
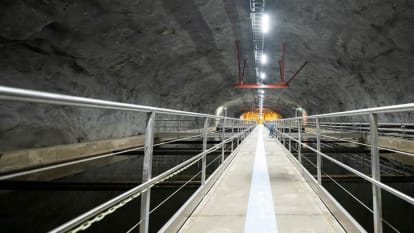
(261, 191)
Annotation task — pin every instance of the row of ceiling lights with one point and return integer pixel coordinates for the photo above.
(260, 26)
(263, 60)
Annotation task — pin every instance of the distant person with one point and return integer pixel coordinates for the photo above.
(271, 131)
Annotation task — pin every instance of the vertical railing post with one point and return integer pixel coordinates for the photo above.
(232, 134)
(280, 130)
(376, 173)
(245, 129)
(318, 149)
(146, 172)
(224, 139)
(290, 135)
(242, 131)
(299, 141)
(204, 158)
(276, 124)
(238, 133)
(283, 132)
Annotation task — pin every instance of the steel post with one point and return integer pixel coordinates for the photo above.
(224, 136)
(299, 141)
(244, 130)
(275, 127)
(238, 134)
(146, 172)
(279, 125)
(232, 134)
(290, 135)
(241, 131)
(376, 173)
(280, 132)
(223, 139)
(318, 148)
(204, 158)
(242, 134)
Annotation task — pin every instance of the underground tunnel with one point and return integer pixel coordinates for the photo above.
(206, 116)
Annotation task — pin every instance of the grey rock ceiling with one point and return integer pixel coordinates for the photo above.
(180, 54)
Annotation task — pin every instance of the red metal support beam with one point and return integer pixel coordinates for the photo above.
(280, 69)
(283, 83)
(242, 75)
(282, 77)
(297, 72)
(238, 61)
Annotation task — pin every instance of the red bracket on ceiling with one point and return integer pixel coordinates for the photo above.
(240, 74)
(283, 83)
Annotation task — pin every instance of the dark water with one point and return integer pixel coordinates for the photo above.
(397, 213)
(41, 211)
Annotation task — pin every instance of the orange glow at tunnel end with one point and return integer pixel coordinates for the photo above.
(255, 116)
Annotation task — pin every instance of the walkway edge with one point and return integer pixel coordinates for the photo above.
(178, 220)
(346, 221)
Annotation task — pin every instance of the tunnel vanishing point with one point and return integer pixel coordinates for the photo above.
(193, 116)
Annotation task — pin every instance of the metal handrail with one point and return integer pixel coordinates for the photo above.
(374, 130)
(364, 144)
(387, 109)
(391, 190)
(138, 190)
(96, 214)
(365, 127)
(363, 123)
(24, 95)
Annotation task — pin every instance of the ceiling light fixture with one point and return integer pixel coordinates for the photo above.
(265, 23)
(264, 59)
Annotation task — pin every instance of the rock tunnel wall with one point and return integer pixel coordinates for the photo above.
(180, 54)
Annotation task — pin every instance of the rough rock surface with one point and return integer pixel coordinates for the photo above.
(180, 54)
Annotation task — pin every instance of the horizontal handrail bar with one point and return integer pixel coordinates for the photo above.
(361, 123)
(358, 173)
(368, 145)
(136, 191)
(386, 109)
(365, 144)
(366, 128)
(18, 94)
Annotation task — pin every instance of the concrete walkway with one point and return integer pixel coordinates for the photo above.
(261, 191)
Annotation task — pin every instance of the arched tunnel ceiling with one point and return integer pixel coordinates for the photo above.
(180, 53)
